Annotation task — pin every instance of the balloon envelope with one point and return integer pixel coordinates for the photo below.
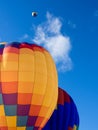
(65, 116)
(34, 14)
(28, 86)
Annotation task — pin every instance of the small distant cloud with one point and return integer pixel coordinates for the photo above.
(24, 37)
(49, 35)
(71, 24)
(96, 13)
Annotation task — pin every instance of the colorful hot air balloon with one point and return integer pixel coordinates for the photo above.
(28, 86)
(65, 116)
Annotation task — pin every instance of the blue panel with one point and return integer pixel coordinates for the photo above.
(47, 126)
(1, 100)
(66, 116)
(29, 128)
(60, 117)
(76, 117)
(10, 110)
(53, 126)
(72, 114)
(22, 120)
(13, 44)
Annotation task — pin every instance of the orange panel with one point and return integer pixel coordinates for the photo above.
(34, 110)
(11, 50)
(9, 76)
(12, 128)
(0, 58)
(25, 87)
(10, 57)
(3, 128)
(9, 87)
(24, 98)
(43, 122)
(38, 49)
(38, 121)
(3, 122)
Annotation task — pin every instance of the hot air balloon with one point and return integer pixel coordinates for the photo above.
(34, 14)
(28, 86)
(65, 116)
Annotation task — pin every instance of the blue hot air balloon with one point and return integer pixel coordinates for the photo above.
(65, 116)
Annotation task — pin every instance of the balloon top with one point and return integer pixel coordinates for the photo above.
(34, 14)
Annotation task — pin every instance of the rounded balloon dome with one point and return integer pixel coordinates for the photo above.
(28, 86)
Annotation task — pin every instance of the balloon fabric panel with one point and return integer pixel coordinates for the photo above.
(28, 86)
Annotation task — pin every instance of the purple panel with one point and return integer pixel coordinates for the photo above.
(10, 99)
(31, 120)
(23, 110)
(35, 128)
(1, 50)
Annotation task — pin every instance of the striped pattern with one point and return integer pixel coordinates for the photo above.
(28, 86)
(65, 116)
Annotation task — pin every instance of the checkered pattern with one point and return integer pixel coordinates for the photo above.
(65, 116)
(28, 86)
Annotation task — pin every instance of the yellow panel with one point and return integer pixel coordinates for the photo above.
(11, 121)
(3, 121)
(37, 99)
(49, 113)
(21, 128)
(2, 113)
(26, 60)
(40, 75)
(51, 66)
(43, 111)
(25, 87)
(25, 51)
(52, 83)
(74, 128)
(49, 93)
(50, 98)
(40, 84)
(26, 76)
(26, 66)
(9, 66)
(9, 76)
(53, 105)
(26, 57)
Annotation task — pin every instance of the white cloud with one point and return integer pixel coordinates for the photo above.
(49, 35)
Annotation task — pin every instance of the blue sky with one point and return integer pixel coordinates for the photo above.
(74, 37)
